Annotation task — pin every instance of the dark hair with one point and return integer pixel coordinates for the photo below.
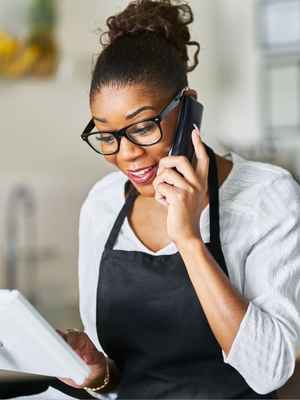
(146, 43)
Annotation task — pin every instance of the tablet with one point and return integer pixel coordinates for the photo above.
(28, 343)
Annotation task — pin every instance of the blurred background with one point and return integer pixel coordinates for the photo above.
(248, 79)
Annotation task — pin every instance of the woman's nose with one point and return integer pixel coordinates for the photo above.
(129, 150)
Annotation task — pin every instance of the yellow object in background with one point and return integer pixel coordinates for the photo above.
(8, 45)
(36, 55)
(19, 59)
(23, 63)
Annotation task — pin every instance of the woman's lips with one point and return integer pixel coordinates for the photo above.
(143, 177)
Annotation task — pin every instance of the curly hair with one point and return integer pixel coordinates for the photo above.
(146, 43)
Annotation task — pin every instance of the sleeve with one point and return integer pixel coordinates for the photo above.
(85, 259)
(88, 269)
(265, 348)
(88, 277)
(88, 259)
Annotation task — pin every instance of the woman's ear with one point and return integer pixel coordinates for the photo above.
(191, 92)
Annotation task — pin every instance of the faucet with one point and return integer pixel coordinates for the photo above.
(20, 198)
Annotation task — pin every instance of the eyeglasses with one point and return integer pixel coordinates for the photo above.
(144, 133)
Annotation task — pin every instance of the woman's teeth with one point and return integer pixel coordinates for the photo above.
(144, 176)
(141, 172)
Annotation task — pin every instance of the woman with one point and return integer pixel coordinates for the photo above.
(178, 301)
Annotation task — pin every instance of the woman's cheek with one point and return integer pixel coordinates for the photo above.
(111, 159)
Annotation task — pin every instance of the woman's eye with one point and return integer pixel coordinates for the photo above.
(143, 129)
(105, 139)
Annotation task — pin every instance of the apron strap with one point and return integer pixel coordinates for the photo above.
(213, 192)
(119, 221)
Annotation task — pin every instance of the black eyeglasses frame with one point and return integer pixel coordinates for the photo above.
(122, 132)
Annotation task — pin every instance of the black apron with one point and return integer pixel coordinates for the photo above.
(151, 323)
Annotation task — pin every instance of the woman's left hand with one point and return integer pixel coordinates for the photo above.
(185, 195)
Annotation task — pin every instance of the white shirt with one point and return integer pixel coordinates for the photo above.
(260, 236)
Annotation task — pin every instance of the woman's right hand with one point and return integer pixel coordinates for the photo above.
(84, 347)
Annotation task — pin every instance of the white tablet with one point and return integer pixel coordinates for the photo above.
(28, 343)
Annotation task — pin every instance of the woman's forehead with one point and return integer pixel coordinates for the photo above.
(127, 99)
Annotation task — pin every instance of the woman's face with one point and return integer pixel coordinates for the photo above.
(112, 105)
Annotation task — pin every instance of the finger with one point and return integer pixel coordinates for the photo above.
(92, 357)
(198, 145)
(161, 199)
(76, 341)
(70, 382)
(170, 193)
(201, 154)
(182, 165)
(171, 177)
(70, 330)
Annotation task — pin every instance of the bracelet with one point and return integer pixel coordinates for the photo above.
(106, 379)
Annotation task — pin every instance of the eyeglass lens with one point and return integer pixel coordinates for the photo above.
(143, 133)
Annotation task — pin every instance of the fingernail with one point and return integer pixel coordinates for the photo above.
(195, 134)
(196, 129)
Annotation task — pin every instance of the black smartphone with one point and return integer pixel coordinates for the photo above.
(190, 114)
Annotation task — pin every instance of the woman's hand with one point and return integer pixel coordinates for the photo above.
(185, 196)
(84, 347)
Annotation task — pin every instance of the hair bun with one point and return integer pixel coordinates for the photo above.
(160, 17)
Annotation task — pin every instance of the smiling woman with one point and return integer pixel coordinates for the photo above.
(189, 270)
(151, 120)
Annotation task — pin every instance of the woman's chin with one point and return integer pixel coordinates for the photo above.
(145, 190)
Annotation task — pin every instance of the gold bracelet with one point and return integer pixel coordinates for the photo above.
(106, 379)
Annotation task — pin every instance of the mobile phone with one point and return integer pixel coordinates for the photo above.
(190, 114)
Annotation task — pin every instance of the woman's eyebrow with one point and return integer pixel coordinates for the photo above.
(133, 114)
(128, 116)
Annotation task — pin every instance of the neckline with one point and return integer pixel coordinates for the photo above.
(204, 215)
(145, 248)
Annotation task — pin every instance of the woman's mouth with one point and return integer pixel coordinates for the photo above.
(143, 176)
